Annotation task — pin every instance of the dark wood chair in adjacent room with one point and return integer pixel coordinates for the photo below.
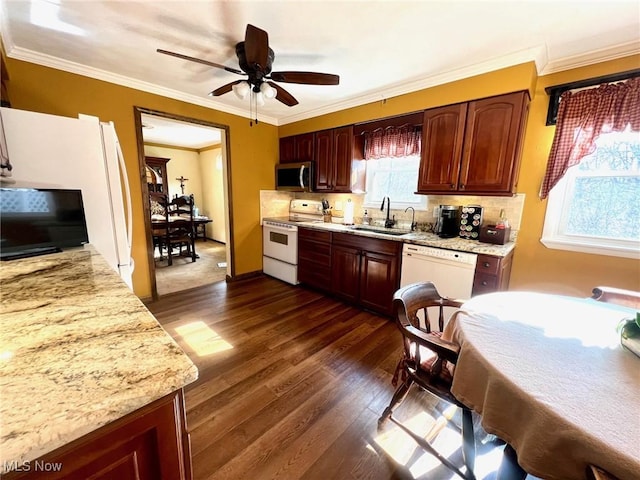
(158, 206)
(427, 362)
(181, 229)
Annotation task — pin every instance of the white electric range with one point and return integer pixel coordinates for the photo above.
(280, 240)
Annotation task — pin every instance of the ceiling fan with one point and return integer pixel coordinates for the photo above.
(255, 59)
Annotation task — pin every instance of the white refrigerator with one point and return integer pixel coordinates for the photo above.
(49, 151)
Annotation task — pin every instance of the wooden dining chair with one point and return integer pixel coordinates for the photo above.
(158, 208)
(427, 361)
(618, 296)
(181, 229)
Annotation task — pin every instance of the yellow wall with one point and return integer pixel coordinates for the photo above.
(253, 150)
(183, 162)
(535, 266)
(253, 153)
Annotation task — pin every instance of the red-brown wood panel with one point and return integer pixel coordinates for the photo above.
(148, 444)
(343, 147)
(324, 159)
(304, 144)
(442, 141)
(287, 150)
(491, 139)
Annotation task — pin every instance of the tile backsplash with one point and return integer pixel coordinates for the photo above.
(276, 204)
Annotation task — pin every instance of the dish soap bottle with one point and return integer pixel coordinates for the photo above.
(366, 220)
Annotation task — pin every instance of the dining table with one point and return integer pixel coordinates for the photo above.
(548, 375)
(159, 224)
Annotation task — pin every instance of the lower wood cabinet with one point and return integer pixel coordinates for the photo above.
(492, 274)
(149, 444)
(314, 258)
(365, 271)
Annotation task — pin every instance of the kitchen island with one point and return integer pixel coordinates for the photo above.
(84, 364)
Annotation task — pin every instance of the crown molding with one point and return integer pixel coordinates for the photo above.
(26, 55)
(595, 56)
(535, 54)
(538, 54)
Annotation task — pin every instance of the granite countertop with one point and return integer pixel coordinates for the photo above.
(77, 350)
(415, 238)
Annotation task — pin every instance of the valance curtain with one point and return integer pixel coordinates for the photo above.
(392, 142)
(582, 117)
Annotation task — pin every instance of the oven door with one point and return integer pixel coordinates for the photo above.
(280, 242)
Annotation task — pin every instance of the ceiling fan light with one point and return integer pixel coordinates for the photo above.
(267, 90)
(241, 89)
(260, 99)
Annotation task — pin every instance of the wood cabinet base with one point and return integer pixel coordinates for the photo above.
(150, 443)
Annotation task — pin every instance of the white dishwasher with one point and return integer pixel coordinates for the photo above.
(450, 271)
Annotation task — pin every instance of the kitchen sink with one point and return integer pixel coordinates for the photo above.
(386, 231)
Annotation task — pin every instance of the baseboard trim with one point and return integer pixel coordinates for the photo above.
(245, 276)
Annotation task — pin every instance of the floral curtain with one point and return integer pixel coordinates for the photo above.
(582, 117)
(392, 142)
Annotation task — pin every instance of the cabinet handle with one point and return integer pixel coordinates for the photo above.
(452, 186)
(484, 283)
(486, 264)
(462, 187)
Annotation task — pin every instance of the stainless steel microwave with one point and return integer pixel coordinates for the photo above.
(294, 177)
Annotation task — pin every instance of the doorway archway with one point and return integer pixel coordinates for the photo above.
(139, 112)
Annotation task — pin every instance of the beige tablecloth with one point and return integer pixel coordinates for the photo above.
(548, 376)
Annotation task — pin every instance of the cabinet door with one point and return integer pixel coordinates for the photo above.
(493, 129)
(304, 147)
(442, 140)
(287, 150)
(324, 160)
(345, 272)
(343, 148)
(314, 258)
(379, 280)
(149, 444)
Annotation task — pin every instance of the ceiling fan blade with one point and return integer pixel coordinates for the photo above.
(284, 96)
(198, 60)
(256, 46)
(311, 78)
(224, 89)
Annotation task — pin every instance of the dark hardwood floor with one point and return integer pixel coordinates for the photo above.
(292, 384)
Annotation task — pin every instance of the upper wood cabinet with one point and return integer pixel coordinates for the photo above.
(473, 147)
(333, 157)
(297, 148)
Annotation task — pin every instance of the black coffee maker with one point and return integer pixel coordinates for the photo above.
(448, 222)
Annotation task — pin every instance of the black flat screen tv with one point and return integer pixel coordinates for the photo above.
(37, 221)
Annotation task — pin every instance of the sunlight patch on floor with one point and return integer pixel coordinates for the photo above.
(202, 339)
(444, 438)
(401, 447)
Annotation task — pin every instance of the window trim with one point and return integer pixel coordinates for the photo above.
(554, 239)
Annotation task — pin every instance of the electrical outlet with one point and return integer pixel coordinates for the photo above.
(436, 211)
(338, 205)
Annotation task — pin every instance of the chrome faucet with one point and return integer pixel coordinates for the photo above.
(413, 218)
(388, 223)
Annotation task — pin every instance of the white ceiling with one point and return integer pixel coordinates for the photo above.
(379, 48)
(165, 131)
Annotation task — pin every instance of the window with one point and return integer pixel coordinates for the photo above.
(595, 207)
(394, 178)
